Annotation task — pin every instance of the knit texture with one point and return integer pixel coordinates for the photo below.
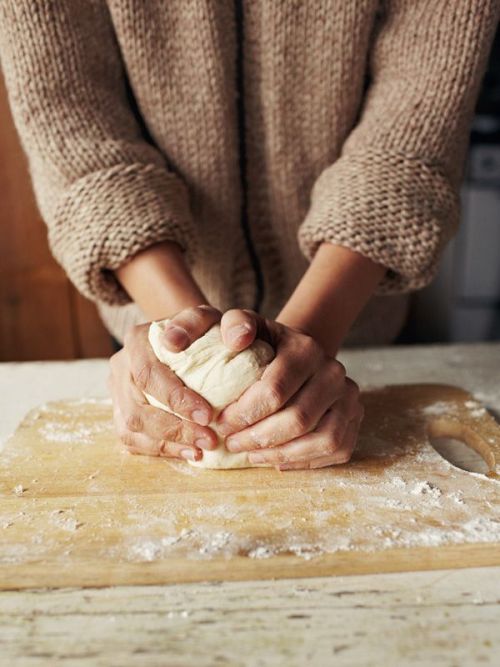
(356, 116)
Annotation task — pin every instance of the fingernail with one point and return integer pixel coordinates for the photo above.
(176, 335)
(201, 417)
(203, 443)
(233, 444)
(256, 457)
(238, 331)
(188, 454)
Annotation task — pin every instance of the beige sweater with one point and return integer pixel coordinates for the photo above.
(249, 133)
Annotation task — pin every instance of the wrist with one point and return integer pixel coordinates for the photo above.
(332, 292)
(159, 281)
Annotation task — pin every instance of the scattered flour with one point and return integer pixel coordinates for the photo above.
(219, 530)
(55, 431)
(426, 488)
(261, 552)
(440, 408)
(398, 482)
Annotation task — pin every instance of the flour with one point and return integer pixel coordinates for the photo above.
(216, 544)
(149, 550)
(339, 510)
(457, 497)
(261, 552)
(60, 519)
(426, 488)
(54, 431)
(217, 511)
(440, 408)
(398, 482)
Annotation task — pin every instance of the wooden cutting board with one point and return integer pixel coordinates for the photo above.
(77, 510)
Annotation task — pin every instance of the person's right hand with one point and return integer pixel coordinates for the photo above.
(144, 429)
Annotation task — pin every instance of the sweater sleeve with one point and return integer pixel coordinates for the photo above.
(103, 190)
(393, 193)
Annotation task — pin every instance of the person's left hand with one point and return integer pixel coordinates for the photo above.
(303, 413)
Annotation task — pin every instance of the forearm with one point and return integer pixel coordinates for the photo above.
(158, 280)
(332, 292)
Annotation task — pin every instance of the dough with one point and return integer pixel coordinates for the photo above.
(217, 374)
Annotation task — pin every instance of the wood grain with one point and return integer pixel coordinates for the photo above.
(412, 619)
(78, 510)
(41, 315)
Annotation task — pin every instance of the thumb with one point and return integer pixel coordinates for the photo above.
(239, 329)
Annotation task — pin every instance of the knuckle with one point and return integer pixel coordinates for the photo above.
(274, 395)
(176, 432)
(122, 433)
(336, 369)
(301, 420)
(341, 368)
(206, 308)
(308, 345)
(209, 313)
(280, 456)
(163, 448)
(126, 438)
(176, 397)
(142, 376)
(328, 445)
(190, 316)
(134, 422)
(343, 457)
(352, 388)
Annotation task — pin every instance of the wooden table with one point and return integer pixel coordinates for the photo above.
(448, 617)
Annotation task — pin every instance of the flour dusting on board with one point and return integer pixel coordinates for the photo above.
(65, 425)
(352, 508)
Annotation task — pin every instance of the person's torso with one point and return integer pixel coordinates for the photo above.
(249, 102)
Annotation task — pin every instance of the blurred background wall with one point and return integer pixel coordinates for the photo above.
(463, 303)
(43, 317)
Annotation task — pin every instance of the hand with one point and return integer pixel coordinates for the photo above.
(303, 413)
(144, 429)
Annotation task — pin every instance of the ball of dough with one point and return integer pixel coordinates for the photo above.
(216, 373)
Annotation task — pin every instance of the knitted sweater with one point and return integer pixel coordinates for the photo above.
(249, 133)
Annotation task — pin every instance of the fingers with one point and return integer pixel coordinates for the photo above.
(189, 325)
(159, 425)
(139, 443)
(332, 440)
(156, 379)
(238, 329)
(342, 455)
(144, 429)
(297, 359)
(301, 414)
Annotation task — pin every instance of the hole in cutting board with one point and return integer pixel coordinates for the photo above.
(459, 454)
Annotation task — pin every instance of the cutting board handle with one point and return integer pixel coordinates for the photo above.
(474, 426)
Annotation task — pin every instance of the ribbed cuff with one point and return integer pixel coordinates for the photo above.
(109, 216)
(395, 210)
